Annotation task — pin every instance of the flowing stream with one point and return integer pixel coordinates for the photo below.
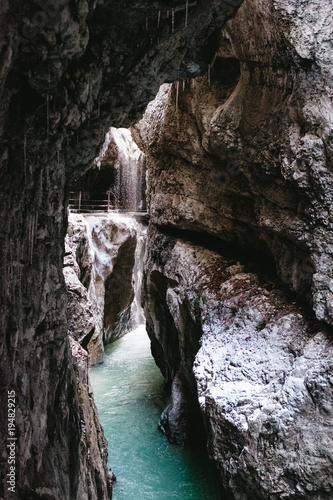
(129, 396)
(128, 386)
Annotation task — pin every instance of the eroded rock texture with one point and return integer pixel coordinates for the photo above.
(68, 71)
(248, 154)
(240, 162)
(231, 336)
(98, 270)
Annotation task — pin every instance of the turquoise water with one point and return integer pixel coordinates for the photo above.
(128, 394)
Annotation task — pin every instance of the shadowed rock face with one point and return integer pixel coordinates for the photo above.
(68, 70)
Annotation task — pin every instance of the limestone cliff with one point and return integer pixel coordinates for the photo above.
(240, 185)
(247, 156)
(98, 270)
(228, 336)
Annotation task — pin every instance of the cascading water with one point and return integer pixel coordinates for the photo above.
(127, 192)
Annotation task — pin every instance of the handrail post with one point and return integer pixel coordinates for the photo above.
(109, 199)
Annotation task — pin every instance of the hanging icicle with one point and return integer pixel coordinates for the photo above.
(147, 24)
(214, 59)
(184, 83)
(173, 21)
(177, 95)
(31, 239)
(158, 18)
(186, 14)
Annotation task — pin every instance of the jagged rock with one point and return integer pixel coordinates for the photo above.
(101, 254)
(89, 434)
(247, 156)
(261, 368)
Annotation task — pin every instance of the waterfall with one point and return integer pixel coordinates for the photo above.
(130, 163)
(127, 192)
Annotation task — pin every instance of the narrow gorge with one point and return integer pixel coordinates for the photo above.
(211, 122)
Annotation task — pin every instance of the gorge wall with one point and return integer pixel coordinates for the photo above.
(69, 70)
(241, 164)
(240, 251)
(98, 268)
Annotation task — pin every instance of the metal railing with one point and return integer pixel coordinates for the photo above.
(102, 205)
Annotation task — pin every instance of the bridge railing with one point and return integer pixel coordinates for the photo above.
(102, 205)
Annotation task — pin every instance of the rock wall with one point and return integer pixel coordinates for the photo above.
(98, 270)
(247, 156)
(240, 185)
(69, 70)
(230, 336)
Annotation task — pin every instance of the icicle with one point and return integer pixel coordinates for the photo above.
(177, 95)
(159, 19)
(173, 21)
(208, 76)
(147, 25)
(184, 83)
(31, 239)
(36, 227)
(186, 14)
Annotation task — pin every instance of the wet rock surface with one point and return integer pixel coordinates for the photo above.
(239, 181)
(101, 255)
(235, 340)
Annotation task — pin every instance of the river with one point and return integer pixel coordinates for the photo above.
(128, 389)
